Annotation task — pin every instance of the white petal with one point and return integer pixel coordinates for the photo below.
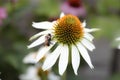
(85, 55)
(91, 30)
(75, 59)
(37, 42)
(118, 39)
(31, 74)
(88, 36)
(88, 44)
(62, 14)
(39, 34)
(52, 76)
(63, 61)
(119, 46)
(84, 23)
(51, 59)
(43, 25)
(30, 58)
(41, 53)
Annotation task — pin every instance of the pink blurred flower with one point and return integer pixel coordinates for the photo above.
(3, 14)
(74, 7)
(14, 1)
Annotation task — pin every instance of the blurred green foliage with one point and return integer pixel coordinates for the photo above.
(115, 76)
(108, 25)
(48, 7)
(108, 6)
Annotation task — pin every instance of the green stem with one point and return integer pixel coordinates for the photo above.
(44, 77)
(64, 76)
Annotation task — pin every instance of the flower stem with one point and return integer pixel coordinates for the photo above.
(44, 77)
(64, 76)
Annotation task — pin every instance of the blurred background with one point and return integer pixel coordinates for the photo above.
(16, 17)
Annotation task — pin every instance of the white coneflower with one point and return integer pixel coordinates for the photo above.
(70, 37)
(35, 73)
(31, 74)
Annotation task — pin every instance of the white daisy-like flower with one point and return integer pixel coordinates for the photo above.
(35, 73)
(118, 39)
(70, 38)
(31, 74)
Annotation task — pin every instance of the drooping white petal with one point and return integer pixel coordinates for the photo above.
(63, 61)
(119, 46)
(88, 44)
(91, 30)
(85, 55)
(84, 23)
(53, 76)
(39, 34)
(31, 74)
(118, 39)
(30, 58)
(62, 14)
(51, 59)
(43, 25)
(88, 36)
(75, 59)
(37, 42)
(42, 52)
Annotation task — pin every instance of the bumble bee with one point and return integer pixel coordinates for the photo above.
(47, 40)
